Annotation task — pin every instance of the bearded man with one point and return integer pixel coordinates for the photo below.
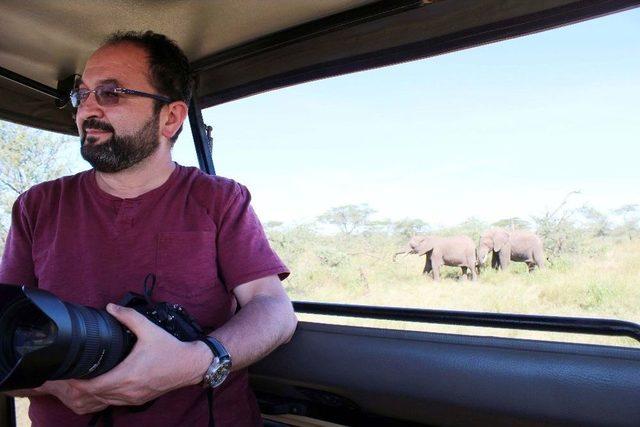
(92, 237)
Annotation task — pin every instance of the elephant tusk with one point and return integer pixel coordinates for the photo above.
(395, 256)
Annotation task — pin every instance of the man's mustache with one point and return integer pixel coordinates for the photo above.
(96, 124)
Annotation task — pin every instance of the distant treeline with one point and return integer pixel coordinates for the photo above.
(563, 229)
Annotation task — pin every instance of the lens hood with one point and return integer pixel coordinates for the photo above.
(20, 304)
(43, 338)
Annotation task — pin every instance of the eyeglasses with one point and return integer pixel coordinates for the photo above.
(109, 94)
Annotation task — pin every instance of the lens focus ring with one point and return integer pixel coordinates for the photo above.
(98, 342)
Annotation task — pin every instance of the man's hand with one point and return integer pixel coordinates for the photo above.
(157, 364)
(73, 396)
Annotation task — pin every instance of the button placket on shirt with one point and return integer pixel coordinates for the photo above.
(126, 214)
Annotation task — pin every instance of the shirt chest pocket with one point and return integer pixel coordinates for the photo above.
(185, 264)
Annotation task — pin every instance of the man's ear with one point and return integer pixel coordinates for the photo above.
(172, 117)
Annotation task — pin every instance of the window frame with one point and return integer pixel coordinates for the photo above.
(523, 25)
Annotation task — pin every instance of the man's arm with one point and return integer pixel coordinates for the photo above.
(265, 321)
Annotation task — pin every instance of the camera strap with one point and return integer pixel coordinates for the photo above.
(148, 290)
(212, 422)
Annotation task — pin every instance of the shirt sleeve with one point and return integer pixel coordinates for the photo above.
(244, 253)
(17, 267)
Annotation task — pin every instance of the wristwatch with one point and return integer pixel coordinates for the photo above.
(220, 366)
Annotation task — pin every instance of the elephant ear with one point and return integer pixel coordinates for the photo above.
(425, 246)
(500, 240)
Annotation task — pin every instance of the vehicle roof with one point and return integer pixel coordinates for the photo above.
(239, 48)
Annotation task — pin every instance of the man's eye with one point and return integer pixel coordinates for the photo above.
(110, 93)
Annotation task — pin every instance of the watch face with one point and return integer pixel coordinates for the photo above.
(221, 372)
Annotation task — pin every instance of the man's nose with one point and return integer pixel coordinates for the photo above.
(88, 108)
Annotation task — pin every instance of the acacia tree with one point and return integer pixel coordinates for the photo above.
(557, 228)
(630, 219)
(472, 227)
(409, 227)
(383, 226)
(27, 156)
(513, 223)
(597, 223)
(348, 218)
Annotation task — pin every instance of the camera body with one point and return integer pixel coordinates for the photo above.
(173, 318)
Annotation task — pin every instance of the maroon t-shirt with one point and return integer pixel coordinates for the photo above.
(197, 233)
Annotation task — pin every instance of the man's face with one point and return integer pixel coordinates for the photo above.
(116, 137)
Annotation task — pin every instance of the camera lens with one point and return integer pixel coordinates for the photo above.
(28, 338)
(98, 342)
(19, 337)
(43, 338)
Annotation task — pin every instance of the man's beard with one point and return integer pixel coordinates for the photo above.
(119, 152)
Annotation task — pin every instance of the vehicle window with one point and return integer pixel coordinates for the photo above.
(535, 136)
(184, 151)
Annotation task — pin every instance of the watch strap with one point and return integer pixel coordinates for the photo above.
(220, 367)
(216, 347)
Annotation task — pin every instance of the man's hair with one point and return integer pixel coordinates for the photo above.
(169, 67)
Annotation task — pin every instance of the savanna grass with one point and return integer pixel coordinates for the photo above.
(603, 280)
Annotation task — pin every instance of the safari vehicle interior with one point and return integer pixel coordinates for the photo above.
(345, 375)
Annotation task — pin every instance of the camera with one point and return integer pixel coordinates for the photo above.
(43, 338)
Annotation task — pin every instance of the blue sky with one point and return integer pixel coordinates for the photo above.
(506, 129)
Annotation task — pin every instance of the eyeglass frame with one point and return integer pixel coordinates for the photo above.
(117, 90)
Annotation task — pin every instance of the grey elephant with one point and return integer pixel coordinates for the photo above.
(454, 251)
(506, 246)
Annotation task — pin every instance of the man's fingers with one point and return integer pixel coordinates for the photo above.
(127, 401)
(130, 318)
(73, 394)
(88, 409)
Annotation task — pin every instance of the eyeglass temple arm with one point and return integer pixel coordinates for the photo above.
(148, 95)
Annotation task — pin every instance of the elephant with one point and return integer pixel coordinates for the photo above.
(454, 251)
(505, 246)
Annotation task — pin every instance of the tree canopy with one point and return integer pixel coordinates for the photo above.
(348, 218)
(27, 156)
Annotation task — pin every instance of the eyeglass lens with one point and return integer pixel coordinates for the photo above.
(105, 95)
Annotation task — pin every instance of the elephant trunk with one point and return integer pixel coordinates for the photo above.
(482, 253)
(406, 251)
